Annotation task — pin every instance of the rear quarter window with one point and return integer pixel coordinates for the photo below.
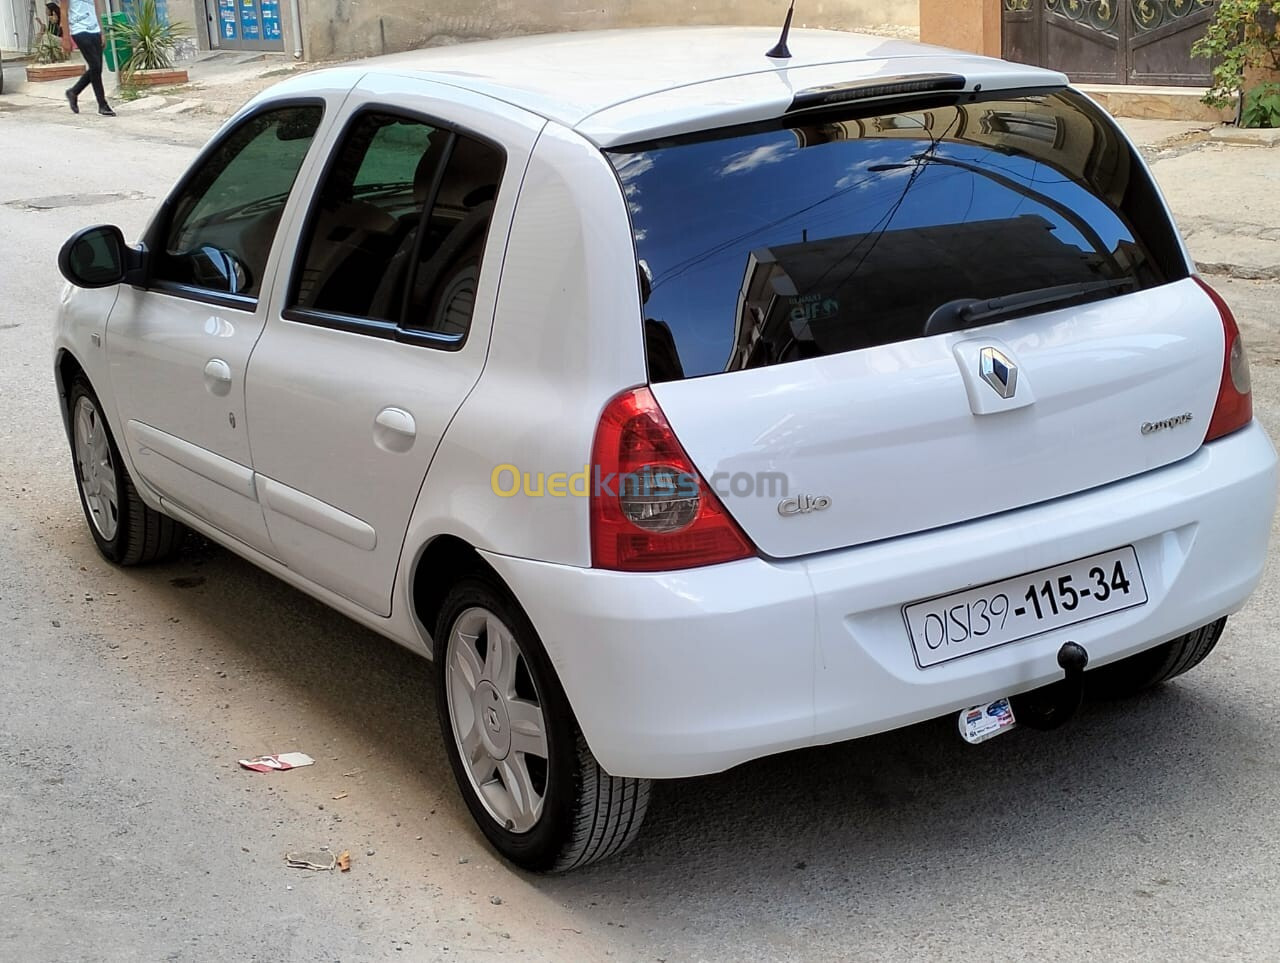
(839, 232)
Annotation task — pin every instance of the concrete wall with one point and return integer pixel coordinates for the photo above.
(972, 25)
(334, 29)
(192, 13)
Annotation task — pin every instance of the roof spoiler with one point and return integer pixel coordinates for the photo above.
(833, 94)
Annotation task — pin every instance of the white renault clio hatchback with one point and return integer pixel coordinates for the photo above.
(684, 404)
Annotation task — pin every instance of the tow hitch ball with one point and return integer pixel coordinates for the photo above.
(1045, 708)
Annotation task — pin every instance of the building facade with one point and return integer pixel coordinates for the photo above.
(1099, 41)
(341, 29)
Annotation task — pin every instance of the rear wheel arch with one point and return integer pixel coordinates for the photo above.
(441, 564)
(566, 811)
(445, 562)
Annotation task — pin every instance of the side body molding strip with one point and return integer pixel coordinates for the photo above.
(314, 513)
(222, 471)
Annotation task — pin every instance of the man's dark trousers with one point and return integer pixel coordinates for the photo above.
(90, 45)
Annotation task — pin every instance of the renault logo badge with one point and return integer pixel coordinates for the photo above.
(999, 372)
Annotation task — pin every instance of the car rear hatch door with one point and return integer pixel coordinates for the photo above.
(866, 325)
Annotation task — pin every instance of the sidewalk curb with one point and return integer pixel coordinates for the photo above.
(1247, 136)
(1242, 271)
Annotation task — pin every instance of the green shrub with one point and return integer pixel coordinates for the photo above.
(48, 46)
(151, 38)
(1242, 36)
(1262, 106)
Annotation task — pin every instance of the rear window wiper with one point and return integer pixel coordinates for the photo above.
(967, 312)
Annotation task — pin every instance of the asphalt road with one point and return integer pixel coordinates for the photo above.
(1145, 830)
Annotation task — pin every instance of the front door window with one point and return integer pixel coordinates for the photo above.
(225, 215)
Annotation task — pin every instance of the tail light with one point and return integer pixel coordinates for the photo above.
(650, 508)
(1234, 408)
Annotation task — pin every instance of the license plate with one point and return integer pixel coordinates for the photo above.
(981, 618)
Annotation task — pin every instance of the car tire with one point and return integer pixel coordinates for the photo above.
(520, 760)
(1146, 669)
(125, 530)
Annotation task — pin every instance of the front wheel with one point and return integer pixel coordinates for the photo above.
(523, 767)
(1154, 666)
(125, 530)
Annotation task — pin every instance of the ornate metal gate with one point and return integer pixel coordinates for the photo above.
(1110, 41)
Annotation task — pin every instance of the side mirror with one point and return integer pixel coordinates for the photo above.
(96, 257)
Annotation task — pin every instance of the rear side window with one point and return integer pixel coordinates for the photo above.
(833, 233)
(398, 229)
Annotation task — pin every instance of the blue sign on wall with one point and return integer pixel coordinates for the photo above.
(270, 19)
(250, 28)
(227, 20)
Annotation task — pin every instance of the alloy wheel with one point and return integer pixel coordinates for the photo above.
(96, 468)
(497, 719)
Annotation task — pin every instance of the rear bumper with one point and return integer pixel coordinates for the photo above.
(687, 673)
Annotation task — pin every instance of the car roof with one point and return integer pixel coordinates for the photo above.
(616, 86)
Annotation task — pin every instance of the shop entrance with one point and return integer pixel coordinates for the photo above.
(245, 24)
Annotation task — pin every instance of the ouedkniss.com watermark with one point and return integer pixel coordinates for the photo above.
(508, 481)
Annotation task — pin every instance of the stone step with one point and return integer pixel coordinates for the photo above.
(1157, 103)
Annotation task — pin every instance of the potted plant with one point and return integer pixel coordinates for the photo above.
(48, 58)
(1244, 42)
(148, 41)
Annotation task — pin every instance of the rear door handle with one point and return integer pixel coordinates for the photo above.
(217, 376)
(394, 430)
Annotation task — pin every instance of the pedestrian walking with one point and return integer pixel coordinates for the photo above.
(86, 31)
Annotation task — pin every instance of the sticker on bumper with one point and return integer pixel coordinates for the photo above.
(981, 723)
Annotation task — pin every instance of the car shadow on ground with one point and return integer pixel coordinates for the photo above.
(873, 823)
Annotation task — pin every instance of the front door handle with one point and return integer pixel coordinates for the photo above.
(394, 430)
(217, 376)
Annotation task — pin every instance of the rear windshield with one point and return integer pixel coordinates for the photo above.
(823, 234)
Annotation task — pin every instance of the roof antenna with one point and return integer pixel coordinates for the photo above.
(780, 51)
